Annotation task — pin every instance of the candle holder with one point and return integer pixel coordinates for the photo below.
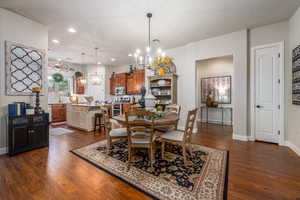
(37, 108)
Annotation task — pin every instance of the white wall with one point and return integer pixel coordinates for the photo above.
(221, 66)
(292, 111)
(16, 28)
(185, 59)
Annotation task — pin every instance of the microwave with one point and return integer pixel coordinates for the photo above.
(120, 91)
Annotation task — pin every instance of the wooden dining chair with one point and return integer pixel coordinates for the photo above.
(170, 110)
(182, 138)
(113, 132)
(140, 128)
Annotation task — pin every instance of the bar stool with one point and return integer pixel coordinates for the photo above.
(99, 121)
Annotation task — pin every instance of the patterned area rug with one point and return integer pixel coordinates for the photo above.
(205, 176)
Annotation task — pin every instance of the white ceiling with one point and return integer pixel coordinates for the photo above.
(118, 27)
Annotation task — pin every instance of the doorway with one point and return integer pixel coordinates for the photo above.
(267, 92)
(214, 79)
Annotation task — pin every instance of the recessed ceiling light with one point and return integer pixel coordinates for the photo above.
(112, 59)
(130, 55)
(72, 30)
(159, 50)
(55, 41)
(98, 63)
(148, 49)
(138, 51)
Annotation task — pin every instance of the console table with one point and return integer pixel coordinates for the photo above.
(216, 108)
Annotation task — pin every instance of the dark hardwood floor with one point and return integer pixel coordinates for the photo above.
(256, 170)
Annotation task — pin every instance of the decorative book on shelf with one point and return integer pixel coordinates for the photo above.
(164, 88)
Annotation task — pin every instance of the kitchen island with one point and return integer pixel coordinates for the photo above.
(82, 116)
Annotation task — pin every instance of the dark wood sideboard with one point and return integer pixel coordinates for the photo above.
(27, 133)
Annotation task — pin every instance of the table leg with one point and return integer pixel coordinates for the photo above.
(231, 116)
(207, 115)
(222, 117)
(201, 115)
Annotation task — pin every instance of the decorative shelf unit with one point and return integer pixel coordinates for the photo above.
(164, 88)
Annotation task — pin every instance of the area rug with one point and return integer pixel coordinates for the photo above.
(59, 131)
(205, 176)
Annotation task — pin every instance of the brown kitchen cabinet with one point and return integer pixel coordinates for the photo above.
(135, 81)
(126, 107)
(139, 77)
(132, 82)
(119, 80)
(58, 112)
(79, 85)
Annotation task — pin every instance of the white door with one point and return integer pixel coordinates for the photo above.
(267, 88)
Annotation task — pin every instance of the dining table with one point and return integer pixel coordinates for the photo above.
(165, 120)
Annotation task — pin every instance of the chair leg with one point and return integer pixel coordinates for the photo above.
(151, 157)
(129, 158)
(184, 154)
(163, 150)
(95, 126)
(190, 148)
(108, 145)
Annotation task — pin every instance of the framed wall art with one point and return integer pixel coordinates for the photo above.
(218, 87)
(24, 68)
(296, 76)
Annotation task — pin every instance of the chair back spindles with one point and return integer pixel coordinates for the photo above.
(172, 109)
(140, 121)
(190, 124)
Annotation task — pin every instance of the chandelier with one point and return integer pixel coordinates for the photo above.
(144, 58)
(96, 77)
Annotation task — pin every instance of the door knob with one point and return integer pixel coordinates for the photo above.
(258, 106)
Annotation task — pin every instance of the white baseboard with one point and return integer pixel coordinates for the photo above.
(215, 121)
(3, 150)
(293, 147)
(241, 138)
(58, 123)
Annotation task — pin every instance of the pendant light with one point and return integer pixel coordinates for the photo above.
(95, 77)
(83, 79)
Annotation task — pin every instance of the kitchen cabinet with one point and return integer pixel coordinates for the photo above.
(79, 83)
(58, 112)
(119, 80)
(132, 82)
(139, 78)
(126, 107)
(82, 116)
(27, 132)
(135, 81)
